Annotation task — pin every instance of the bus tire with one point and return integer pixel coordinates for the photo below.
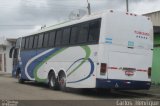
(19, 76)
(62, 82)
(53, 82)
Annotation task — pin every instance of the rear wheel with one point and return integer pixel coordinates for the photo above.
(62, 82)
(53, 83)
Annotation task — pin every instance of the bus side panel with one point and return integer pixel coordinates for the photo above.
(79, 64)
(85, 75)
(30, 60)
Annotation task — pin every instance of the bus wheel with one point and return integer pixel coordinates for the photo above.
(53, 83)
(19, 76)
(62, 82)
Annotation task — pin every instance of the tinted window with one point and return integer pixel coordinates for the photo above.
(35, 42)
(23, 43)
(18, 43)
(40, 40)
(58, 38)
(27, 43)
(66, 36)
(31, 42)
(74, 34)
(45, 43)
(51, 38)
(94, 29)
(83, 33)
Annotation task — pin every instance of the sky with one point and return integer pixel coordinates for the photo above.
(19, 17)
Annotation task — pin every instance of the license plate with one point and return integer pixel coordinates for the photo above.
(129, 73)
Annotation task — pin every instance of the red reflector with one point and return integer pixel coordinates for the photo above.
(103, 68)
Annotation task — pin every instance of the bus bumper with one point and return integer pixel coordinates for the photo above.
(122, 84)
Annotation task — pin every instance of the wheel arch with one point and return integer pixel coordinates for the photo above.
(50, 71)
(62, 72)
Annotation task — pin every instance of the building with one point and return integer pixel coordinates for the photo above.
(155, 17)
(6, 63)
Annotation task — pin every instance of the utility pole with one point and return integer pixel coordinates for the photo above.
(127, 5)
(89, 8)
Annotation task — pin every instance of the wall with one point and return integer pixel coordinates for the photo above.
(1, 58)
(4, 52)
(156, 60)
(154, 17)
(9, 61)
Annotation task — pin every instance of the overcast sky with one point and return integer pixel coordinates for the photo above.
(18, 17)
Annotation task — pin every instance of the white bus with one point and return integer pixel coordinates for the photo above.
(111, 50)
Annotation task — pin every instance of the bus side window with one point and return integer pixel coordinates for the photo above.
(27, 43)
(51, 38)
(31, 42)
(66, 36)
(18, 42)
(35, 41)
(83, 33)
(58, 37)
(94, 30)
(46, 36)
(40, 40)
(74, 34)
(23, 43)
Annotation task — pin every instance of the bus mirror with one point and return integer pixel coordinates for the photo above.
(11, 52)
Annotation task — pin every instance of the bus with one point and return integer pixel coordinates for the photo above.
(108, 50)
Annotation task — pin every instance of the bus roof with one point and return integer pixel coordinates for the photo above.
(76, 21)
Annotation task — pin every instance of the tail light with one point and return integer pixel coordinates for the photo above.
(149, 72)
(103, 69)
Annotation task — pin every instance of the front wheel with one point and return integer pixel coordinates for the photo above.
(19, 76)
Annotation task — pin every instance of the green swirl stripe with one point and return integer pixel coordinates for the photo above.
(43, 62)
(88, 53)
(86, 49)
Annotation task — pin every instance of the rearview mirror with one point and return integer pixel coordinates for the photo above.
(11, 52)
